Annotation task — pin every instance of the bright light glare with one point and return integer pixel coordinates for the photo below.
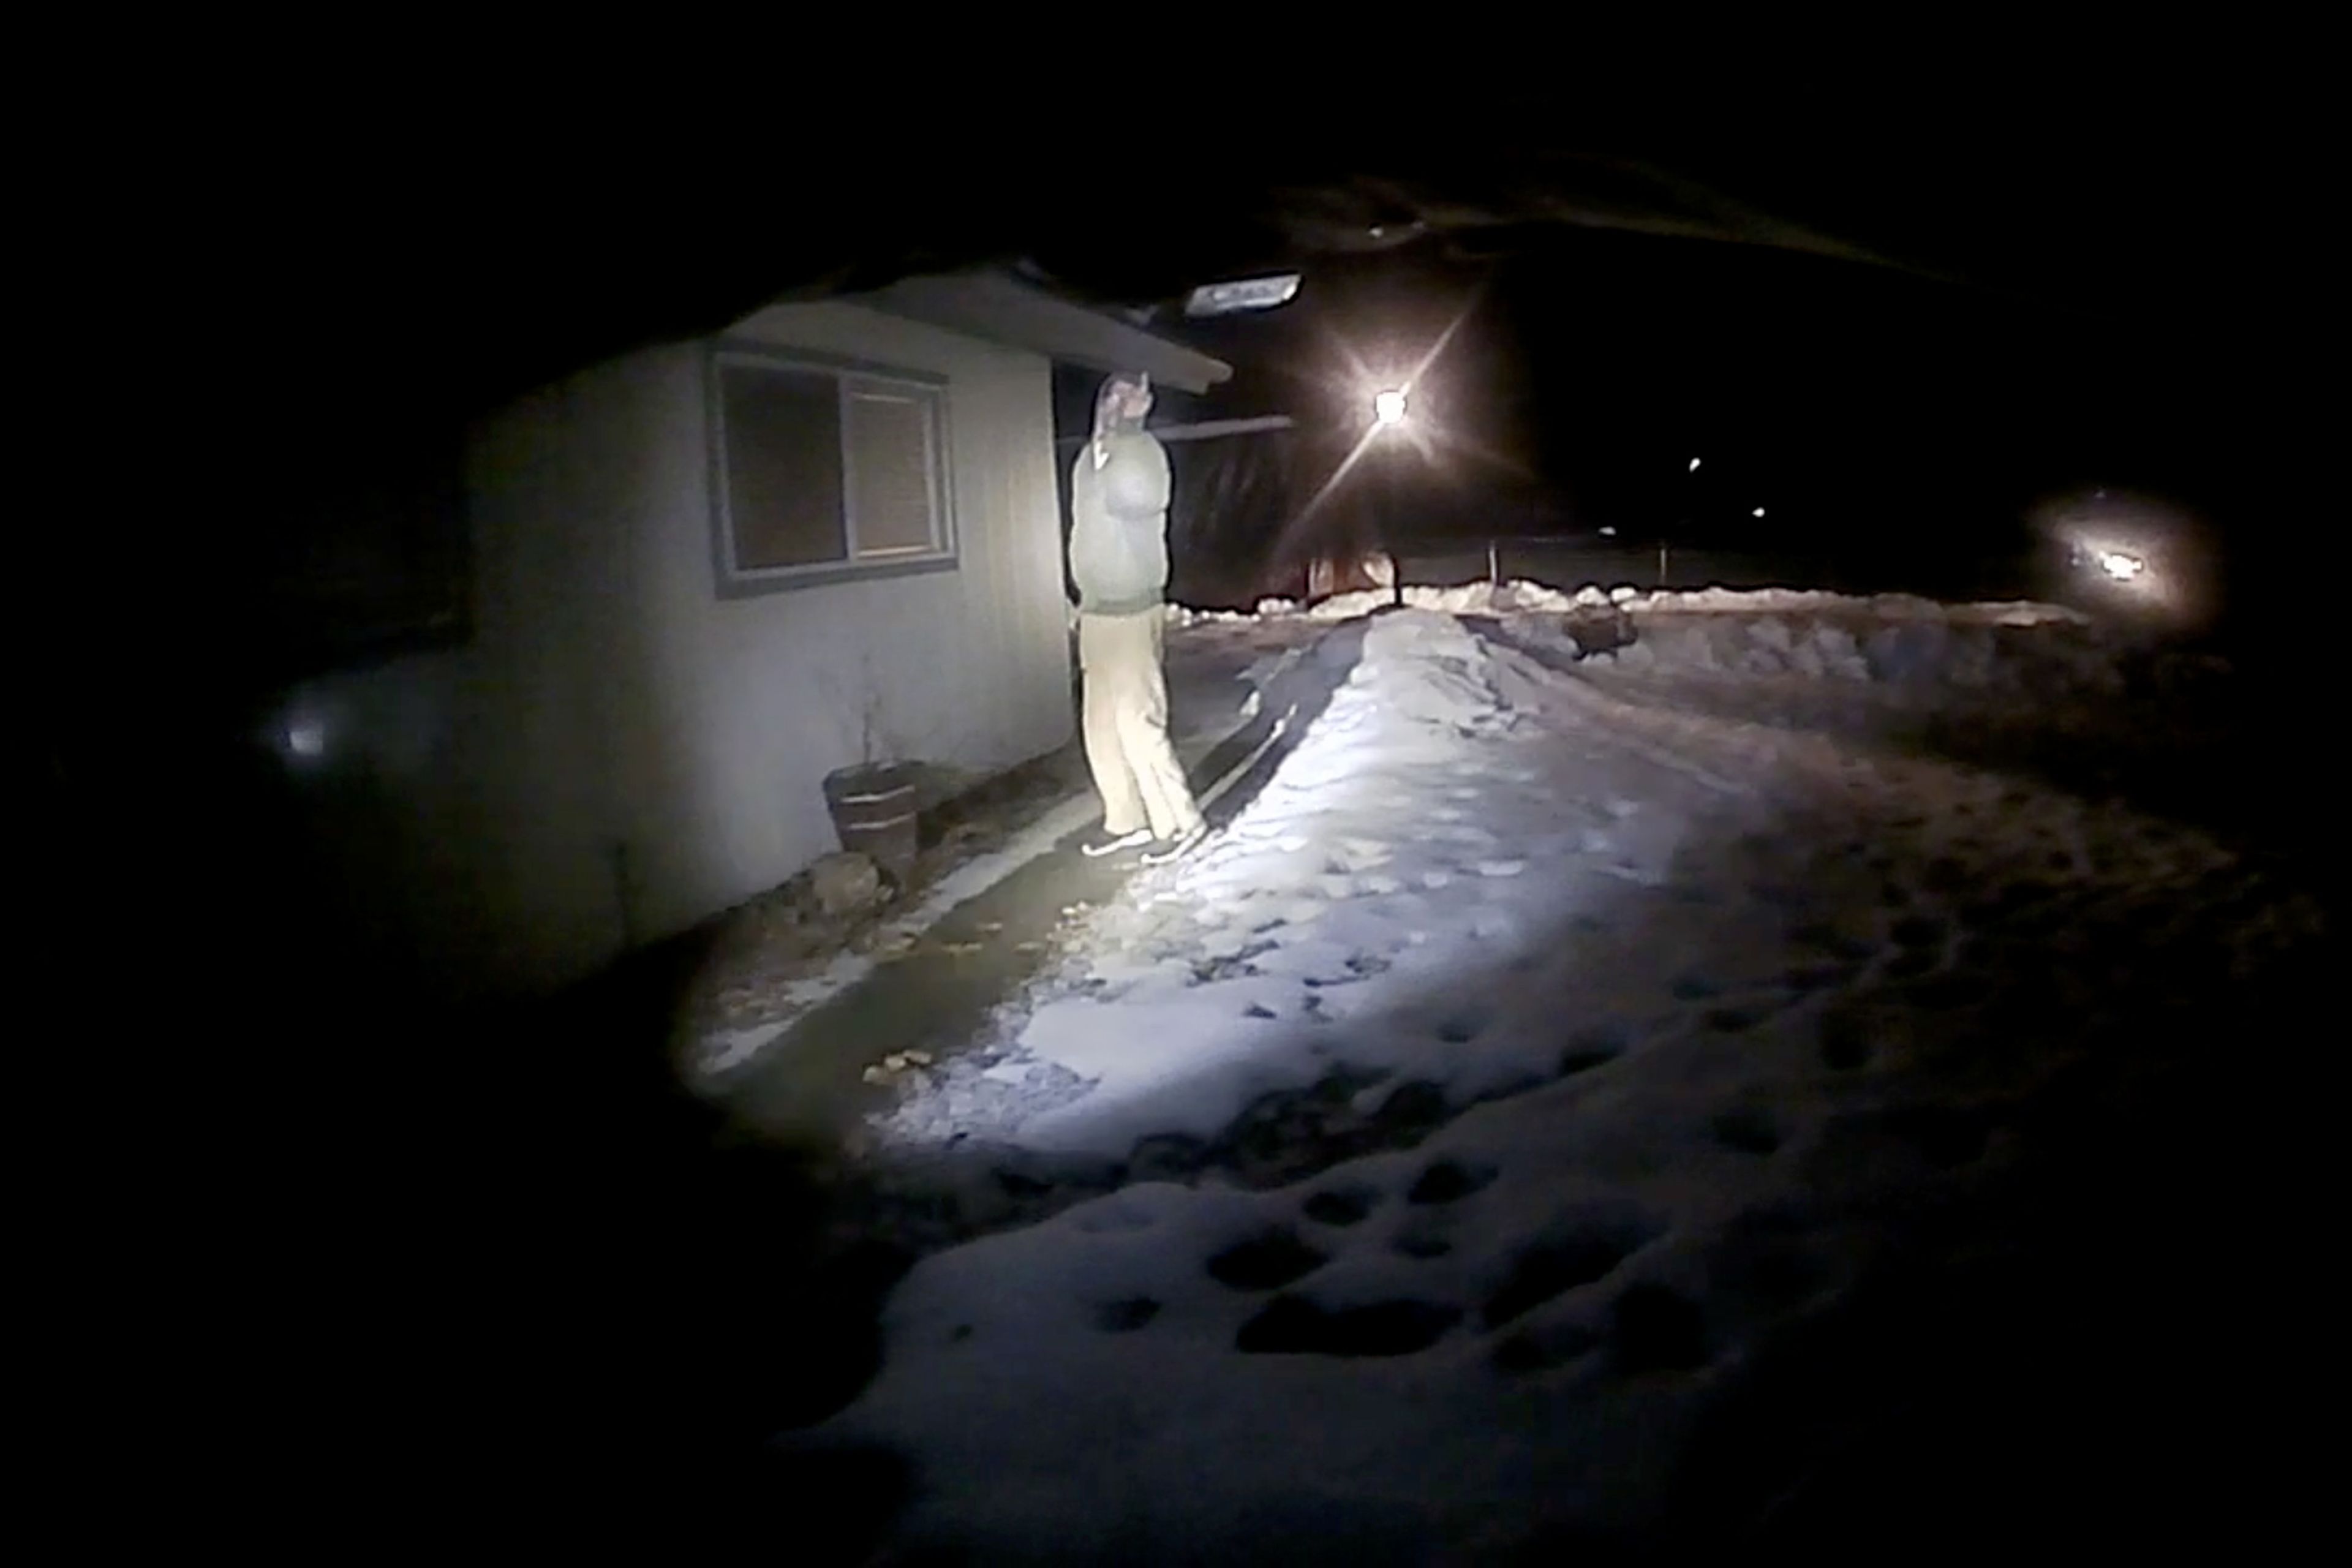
(1371, 432)
(1388, 407)
(1609, 533)
(2135, 552)
(307, 738)
(1760, 511)
(1694, 468)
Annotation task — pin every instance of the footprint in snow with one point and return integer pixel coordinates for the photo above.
(1653, 1328)
(1266, 1261)
(1594, 1045)
(1465, 1025)
(1292, 1325)
(1126, 1316)
(1746, 1130)
(1418, 1238)
(1341, 1206)
(1501, 868)
(1448, 1181)
(1562, 1260)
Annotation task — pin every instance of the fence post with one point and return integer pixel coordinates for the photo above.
(1662, 564)
(1493, 566)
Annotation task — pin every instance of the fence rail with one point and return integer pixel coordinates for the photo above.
(1609, 562)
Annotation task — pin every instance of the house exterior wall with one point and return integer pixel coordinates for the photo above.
(619, 751)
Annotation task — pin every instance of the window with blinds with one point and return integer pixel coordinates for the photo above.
(824, 471)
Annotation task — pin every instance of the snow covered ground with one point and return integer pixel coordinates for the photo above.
(1459, 1132)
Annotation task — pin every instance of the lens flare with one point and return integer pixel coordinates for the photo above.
(1399, 391)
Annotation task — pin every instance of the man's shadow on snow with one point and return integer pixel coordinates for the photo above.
(1242, 765)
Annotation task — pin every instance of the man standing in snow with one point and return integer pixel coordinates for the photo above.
(1119, 559)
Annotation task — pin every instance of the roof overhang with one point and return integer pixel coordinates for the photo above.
(1002, 310)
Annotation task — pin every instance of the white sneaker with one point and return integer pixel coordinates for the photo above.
(1103, 844)
(1176, 848)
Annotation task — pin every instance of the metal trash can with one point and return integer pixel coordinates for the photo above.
(873, 808)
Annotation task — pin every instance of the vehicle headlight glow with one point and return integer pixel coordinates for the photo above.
(2130, 553)
(1388, 407)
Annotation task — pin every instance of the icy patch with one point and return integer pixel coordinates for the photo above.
(730, 1048)
(714, 1056)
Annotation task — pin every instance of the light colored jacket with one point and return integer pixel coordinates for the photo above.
(1118, 523)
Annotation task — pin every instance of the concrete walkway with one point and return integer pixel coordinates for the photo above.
(806, 1088)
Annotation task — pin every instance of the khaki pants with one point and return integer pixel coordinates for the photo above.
(1134, 764)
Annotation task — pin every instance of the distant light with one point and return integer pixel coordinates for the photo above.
(1694, 468)
(2133, 549)
(1388, 407)
(1760, 511)
(1609, 533)
(307, 738)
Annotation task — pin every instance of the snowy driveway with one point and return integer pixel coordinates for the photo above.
(1460, 1139)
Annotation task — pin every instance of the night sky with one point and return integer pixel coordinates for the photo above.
(1902, 423)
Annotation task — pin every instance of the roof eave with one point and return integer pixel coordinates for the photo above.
(1002, 310)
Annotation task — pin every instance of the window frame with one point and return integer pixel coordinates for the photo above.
(848, 375)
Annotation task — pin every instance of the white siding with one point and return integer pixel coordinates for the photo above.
(615, 721)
